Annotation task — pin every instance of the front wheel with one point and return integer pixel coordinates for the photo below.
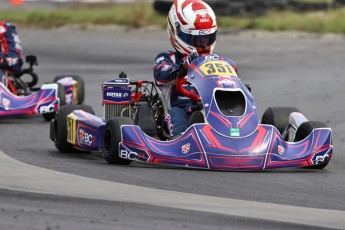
(278, 117)
(111, 139)
(303, 131)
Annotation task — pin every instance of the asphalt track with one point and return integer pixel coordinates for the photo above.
(305, 71)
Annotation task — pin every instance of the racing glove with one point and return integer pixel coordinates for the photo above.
(182, 70)
(190, 59)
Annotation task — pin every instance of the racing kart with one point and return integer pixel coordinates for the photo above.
(225, 132)
(19, 96)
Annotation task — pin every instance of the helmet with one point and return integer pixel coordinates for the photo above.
(192, 27)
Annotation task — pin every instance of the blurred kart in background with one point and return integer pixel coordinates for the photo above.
(224, 131)
(19, 96)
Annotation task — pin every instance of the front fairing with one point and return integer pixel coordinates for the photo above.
(213, 73)
(200, 146)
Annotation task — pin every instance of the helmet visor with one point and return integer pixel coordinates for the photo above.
(199, 41)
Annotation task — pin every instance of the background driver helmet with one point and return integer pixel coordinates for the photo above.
(192, 27)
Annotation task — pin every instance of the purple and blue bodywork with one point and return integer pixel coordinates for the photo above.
(70, 87)
(223, 142)
(44, 100)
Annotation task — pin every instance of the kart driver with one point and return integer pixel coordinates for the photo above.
(10, 50)
(192, 29)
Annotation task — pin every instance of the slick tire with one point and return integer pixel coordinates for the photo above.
(58, 127)
(112, 136)
(278, 117)
(303, 131)
(80, 86)
(61, 96)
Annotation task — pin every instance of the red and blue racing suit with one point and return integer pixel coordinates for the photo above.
(165, 72)
(10, 50)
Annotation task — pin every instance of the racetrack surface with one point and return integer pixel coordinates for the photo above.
(305, 71)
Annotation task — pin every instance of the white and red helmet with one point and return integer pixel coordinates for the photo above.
(192, 27)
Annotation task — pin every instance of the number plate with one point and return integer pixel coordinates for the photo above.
(71, 128)
(218, 68)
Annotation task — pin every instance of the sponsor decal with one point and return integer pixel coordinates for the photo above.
(17, 41)
(225, 82)
(68, 98)
(6, 102)
(126, 154)
(211, 57)
(185, 148)
(159, 60)
(114, 94)
(11, 61)
(281, 150)
(81, 136)
(117, 94)
(203, 21)
(234, 132)
(204, 32)
(321, 159)
(46, 108)
(86, 138)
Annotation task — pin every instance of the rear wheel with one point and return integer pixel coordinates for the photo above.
(59, 126)
(61, 96)
(278, 117)
(80, 86)
(303, 131)
(112, 137)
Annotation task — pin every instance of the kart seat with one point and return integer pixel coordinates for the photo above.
(144, 119)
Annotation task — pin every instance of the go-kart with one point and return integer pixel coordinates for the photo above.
(224, 133)
(18, 96)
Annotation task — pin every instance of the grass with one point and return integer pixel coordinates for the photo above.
(136, 15)
(142, 14)
(322, 22)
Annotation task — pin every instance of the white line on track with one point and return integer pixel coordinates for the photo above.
(16, 175)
